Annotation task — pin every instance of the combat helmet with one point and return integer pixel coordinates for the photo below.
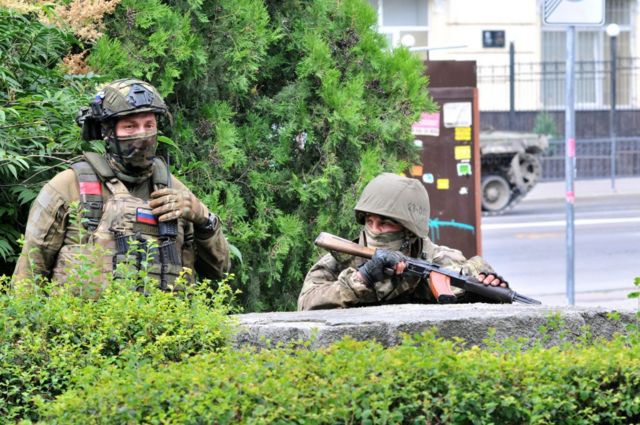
(402, 199)
(117, 99)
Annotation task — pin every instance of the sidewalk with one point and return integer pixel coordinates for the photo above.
(585, 188)
(615, 299)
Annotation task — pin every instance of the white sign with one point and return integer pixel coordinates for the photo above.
(457, 114)
(573, 12)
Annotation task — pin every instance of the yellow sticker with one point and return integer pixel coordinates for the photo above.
(462, 152)
(462, 134)
(442, 184)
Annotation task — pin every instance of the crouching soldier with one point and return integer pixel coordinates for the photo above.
(394, 212)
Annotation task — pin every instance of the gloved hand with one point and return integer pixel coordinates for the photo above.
(373, 270)
(169, 204)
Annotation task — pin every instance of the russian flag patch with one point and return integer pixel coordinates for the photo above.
(145, 216)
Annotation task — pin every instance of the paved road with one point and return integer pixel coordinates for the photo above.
(528, 246)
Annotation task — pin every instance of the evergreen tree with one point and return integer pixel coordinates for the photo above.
(283, 111)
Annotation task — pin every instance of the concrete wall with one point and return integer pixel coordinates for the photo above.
(470, 322)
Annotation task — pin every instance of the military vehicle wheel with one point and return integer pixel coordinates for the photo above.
(495, 193)
(524, 171)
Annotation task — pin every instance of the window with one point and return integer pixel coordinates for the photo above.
(399, 18)
(593, 61)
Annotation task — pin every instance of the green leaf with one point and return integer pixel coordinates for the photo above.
(235, 252)
(167, 141)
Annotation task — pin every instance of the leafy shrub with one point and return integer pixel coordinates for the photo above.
(284, 111)
(38, 103)
(51, 337)
(545, 125)
(636, 294)
(424, 380)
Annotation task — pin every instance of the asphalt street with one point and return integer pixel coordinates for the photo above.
(528, 244)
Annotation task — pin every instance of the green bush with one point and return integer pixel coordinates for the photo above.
(424, 380)
(38, 104)
(284, 111)
(636, 294)
(51, 337)
(545, 125)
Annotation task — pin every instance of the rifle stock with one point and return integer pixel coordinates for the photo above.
(440, 280)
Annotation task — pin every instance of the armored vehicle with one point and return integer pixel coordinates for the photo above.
(510, 167)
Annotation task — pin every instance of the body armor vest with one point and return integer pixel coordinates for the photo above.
(120, 227)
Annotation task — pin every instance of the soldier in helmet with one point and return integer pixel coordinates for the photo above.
(394, 212)
(127, 198)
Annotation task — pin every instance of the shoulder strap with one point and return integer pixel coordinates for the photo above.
(105, 173)
(90, 194)
(100, 165)
(161, 174)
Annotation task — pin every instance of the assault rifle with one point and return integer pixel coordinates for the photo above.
(440, 279)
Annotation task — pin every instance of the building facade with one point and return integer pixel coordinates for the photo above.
(483, 31)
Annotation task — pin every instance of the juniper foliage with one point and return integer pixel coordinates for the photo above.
(283, 111)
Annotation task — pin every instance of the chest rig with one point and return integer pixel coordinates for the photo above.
(123, 223)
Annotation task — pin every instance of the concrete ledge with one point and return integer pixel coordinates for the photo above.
(470, 322)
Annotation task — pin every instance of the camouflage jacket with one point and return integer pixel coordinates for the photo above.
(333, 283)
(50, 228)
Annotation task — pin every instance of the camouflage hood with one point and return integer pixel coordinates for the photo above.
(402, 199)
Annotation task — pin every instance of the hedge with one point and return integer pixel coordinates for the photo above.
(423, 380)
(134, 354)
(50, 336)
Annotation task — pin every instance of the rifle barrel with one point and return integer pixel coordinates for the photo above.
(524, 300)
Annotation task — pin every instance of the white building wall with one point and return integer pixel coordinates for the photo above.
(454, 32)
(461, 22)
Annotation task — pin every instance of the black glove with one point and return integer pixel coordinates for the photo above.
(373, 270)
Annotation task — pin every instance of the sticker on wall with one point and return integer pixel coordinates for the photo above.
(428, 178)
(442, 184)
(464, 168)
(416, 170)
(464, 190)
(457, 114)
(427, 125)
(462, 134)
(462, 152)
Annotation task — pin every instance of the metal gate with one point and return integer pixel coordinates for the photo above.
(593, 158)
